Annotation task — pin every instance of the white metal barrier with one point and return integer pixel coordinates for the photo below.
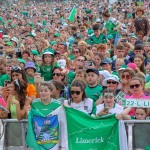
(13, 138)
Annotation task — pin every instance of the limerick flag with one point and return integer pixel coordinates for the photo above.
(72, 14)
(44, 132)
(88, 133)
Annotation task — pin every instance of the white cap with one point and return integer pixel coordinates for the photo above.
(104, 73)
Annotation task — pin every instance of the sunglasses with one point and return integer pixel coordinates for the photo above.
(126, 76)
(75, 92)
(80, 60)
(76, 52)
(135, 85)
(57, 74)
(15, 68)
(112, 82)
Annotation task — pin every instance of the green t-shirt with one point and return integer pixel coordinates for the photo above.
(3, 78)
(45, 109)
(30, 79)
(46, 72)
(94, 92)
(97, 40)
(110, 25)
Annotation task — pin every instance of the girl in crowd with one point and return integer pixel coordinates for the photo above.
(47, 64)
(45, 104)
(79, 100)
(139, 61)
(18, 73)
(109, 106)
(17, 102)
(58, 91)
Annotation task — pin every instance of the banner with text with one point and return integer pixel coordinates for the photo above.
(89, 133)
(145, 103)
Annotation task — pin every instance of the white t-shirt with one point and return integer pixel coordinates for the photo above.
(85, 106)
(117, 109)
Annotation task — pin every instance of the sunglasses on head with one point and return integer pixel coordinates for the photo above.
(112, 82)
(57, 74)
(75, 92)
(134, 85)
(16, 68)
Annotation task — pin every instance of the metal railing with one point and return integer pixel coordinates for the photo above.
(15, 131)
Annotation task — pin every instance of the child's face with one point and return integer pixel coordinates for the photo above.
(118, 65)
(48, 59)
(140, 114)
(147, 68)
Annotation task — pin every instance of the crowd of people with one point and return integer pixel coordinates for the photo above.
(75, 54)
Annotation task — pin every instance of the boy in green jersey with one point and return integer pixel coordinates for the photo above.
(93, 89)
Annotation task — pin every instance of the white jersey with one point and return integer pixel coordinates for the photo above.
(85, 106)
(117, 109)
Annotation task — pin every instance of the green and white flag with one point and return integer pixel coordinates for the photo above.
(72, 14)
(89, 133)
(70, 129)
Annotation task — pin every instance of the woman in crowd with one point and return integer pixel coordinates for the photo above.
(109, 106)
(18, 73)
(79, 100)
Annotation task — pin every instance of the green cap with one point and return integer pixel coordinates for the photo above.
(123, 67)
(57, 34)
(9, 43)
(110, 36)
(34, 52)
(53, 43)
(21, 61)
(129, 15)
(88, 11)
(48, 51)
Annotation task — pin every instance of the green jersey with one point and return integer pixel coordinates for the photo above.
(45, 109)
(94, 92)
(97, 40)
(3, 78)
(110, 25)
(46, 72)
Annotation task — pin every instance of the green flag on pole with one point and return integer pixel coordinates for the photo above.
(72, 14)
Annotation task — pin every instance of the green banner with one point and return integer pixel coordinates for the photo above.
(89, 133)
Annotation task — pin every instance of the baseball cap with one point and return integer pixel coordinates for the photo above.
(93, 70)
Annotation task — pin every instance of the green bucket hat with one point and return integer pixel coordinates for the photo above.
(34, 52)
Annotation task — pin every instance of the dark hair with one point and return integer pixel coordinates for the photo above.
(81, 84)
(59, 86)
(138, 47)
(107, 90)
(20, 87)
(96, 27)
(145, 109)
(18, 69)
(26, 52)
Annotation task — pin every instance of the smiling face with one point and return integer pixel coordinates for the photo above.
(140, 114)
(45, 92)
(136, 87)
(109, 99)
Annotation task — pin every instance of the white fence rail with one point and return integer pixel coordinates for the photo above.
(13, 132)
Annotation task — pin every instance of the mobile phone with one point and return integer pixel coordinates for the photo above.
(124, 40)
(4, 109)
(38, 80)
(106, 109)
(16, 50)
(88, 63)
